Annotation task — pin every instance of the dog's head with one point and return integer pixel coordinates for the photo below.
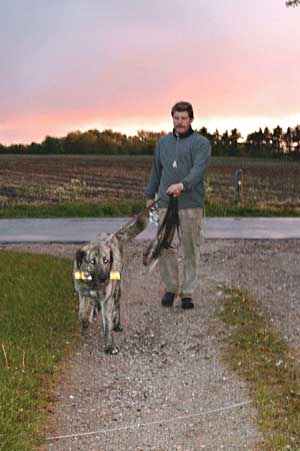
(94, 263)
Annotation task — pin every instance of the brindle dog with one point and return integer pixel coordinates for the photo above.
(97, 279)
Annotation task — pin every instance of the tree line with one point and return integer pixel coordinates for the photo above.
(266, 143)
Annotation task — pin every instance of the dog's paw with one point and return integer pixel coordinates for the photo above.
(112, 350)
(92, 318)
(118, 328)
(83, 327)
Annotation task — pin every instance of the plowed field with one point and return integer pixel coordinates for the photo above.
(42, 180)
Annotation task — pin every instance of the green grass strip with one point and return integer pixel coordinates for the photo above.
(74, 210)
(260, 356)
(130, 208)
(214, 209)
(38, 327)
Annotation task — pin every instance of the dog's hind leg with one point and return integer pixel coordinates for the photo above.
(84, 302)
(117, 319)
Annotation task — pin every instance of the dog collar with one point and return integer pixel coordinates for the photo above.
(81, 275)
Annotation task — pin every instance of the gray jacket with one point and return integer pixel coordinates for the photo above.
(180, 160)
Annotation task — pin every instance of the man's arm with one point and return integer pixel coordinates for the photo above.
(200, 166)
(154, 179)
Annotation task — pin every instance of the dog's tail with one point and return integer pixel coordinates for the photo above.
(134, 227)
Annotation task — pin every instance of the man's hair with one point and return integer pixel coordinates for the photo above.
(183, 106)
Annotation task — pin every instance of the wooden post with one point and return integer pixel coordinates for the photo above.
(238, 175)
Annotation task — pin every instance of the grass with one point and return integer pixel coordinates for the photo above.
(260, 356)
(218, 209)
(131, 207)
(79, 210)
(38, 325)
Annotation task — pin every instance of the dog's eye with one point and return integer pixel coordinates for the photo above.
(105, 260)
(93, 261)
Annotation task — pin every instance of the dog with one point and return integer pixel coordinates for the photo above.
(97, 273)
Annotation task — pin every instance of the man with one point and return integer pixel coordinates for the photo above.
(178, 169)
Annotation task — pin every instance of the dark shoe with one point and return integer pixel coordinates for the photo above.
(168, 299)
(187, 303)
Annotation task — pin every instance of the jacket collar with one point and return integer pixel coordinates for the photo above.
(183, 135)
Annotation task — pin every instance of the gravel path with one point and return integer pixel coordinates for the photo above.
(170, 365)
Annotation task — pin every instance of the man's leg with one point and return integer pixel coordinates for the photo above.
(168, 263)
(190, 226)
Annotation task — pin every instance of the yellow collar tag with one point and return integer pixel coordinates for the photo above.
(115, 275)
(80, 275)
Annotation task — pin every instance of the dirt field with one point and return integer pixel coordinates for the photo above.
(169, 374)
(34, 180)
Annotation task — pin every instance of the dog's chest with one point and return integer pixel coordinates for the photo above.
(93, 292)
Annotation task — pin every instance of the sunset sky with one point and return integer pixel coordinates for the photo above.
(71, 65)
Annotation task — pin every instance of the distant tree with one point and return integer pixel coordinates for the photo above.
(224, 143)
(112, 137)
(233, 142)
(70, 142)
(203, 131)
(17, 148)
(216, 142)
(296, 140)
(95, 132)
(34, 148)
(288, 140)
(52, 145)
(255, 143)
(277, 140)
(216, 136)
(87, 142)
(148, 136)
(267, 142)
(112, 142)
(292, 3)
(225, 138)
(267, 137)
(144, 142)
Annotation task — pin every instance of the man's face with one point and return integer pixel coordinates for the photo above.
(181, 121)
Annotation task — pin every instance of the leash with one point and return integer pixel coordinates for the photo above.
(138, 216)
(164, 236)
(165, 233)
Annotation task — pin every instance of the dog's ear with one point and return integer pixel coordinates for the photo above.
(111, 259)
(80, 255)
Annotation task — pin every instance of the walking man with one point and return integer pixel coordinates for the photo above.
(178, 169)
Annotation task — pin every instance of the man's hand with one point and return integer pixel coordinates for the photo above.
(150, 203)
(175, 190)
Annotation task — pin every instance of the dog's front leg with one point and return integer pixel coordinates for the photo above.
(84, 302)
(93, 313)
(107, 310)
(117, 319)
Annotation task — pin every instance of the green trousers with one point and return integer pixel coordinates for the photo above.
(190, 220)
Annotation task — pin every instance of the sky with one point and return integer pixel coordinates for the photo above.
(68, 65)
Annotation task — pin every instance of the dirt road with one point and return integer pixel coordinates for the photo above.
(166, 389)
